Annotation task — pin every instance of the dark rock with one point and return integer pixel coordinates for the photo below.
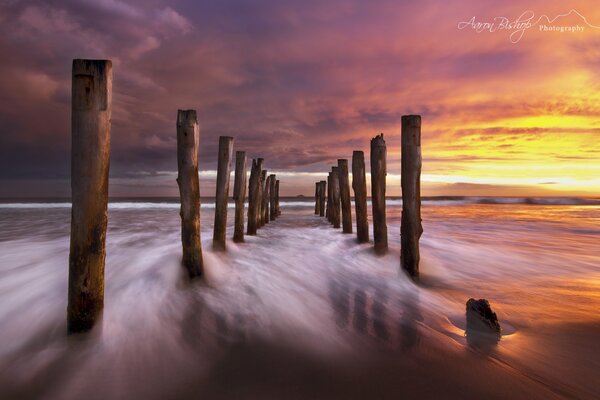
(481, 318)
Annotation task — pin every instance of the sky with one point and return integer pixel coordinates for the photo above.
(505, 111)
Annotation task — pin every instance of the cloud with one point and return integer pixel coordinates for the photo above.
(300, 84)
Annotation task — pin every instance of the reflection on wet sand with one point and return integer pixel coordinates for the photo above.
(362, 307)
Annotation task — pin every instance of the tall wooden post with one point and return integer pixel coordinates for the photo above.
(277, 197)
(329, 200)
(344, 183)
(222, 192)
(239, 195)
(359, 185)
(267, 202)
(91, 106)
(263, 199)
(254, 196)
(411, 228)
(322, 192)
(316, 198)
(188, 137)
(378, 174)
(273, 197)
(335, 196)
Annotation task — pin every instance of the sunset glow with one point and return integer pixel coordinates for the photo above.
(304, 86)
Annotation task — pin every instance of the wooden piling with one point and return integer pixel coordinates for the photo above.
(316, 198)
(267, 203)
(263, 199)
(254, 196)
(91, 107)
(239, 195)
(329, 200)
(346, 203)
(335, 197)
(322, 192)
(277, 197)
(273, 197)
(359, 185)
(378, 174)
(222, 192)
(188, 137)
(411, 228)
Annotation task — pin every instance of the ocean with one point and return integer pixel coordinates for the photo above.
(303, 311)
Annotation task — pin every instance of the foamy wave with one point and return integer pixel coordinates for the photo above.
(35, 205)
(539, 201)
(441, 201)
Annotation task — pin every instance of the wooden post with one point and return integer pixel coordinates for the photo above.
(91, 106)
(378, 174)
(344, 183)
(263, 199)
(335, 196)
(254, 196)
(277, 197)
(222, 192)
(273, 197)
(267, 202)
(239, 195)
(411, 228)
(359, 185)
(322, 192)
(316, 198)
(329, 200)
(188, 137)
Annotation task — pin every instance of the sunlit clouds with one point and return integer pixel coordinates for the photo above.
(302, 85)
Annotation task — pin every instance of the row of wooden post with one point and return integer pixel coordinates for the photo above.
(332, 197)
(91, 106)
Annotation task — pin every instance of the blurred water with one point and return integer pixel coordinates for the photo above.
(301, 310)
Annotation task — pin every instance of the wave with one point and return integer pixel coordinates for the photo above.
(308, 202)
(539, 201)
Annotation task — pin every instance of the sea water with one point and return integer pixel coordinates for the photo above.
(303, 311)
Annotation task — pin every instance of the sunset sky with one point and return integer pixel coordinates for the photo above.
(302, 84)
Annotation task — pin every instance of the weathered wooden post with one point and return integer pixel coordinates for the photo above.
(239, 195)
(344, 183)
(222, 192)
(273, 197)
(91, 107)
(316, 198)
(335, 196)
(378, 174)
(411, 228)
(267, 202)
(188, 138)
(277, 197)
(322, 192)
(329, 200)
(254, 196)
(359, 185)
(263, 199)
